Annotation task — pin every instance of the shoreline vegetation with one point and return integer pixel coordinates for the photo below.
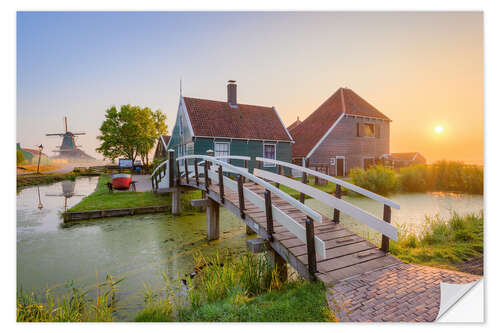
(442, 176)
(43, 179)
(244, 288)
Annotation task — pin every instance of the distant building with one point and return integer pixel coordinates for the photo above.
(31, 155)
(344, 132)
(161, 146)
(401, 160)
(230, 128)
(294, 124)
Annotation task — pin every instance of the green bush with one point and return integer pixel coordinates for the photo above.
(377, 179)
(442, 176)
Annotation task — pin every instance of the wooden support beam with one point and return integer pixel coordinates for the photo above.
(199, 203)
(178, 173)
(213, 216)
(256, 245)
(176, 201)
(186, 171)
(338, 195)
(385, 239)
(311, 250)
(278, 263)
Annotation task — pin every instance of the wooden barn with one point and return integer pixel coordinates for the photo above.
(230, 128)
(344, 132)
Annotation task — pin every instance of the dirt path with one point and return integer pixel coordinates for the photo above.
(400, 293)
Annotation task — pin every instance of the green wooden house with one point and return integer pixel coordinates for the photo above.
(230, 128)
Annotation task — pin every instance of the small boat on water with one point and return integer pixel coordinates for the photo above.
(121, 181)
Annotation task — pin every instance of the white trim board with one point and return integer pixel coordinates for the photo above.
(325, 136)
(184, 109)
(283, 124)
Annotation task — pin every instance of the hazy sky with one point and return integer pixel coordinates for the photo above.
(421, 69)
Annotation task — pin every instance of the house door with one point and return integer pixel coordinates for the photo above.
(340, 166)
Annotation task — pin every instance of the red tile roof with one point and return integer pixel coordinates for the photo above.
(312, 129)
(219, 119)
(35, 152)
(166, 139)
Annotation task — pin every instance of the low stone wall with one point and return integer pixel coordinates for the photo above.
(97, 214)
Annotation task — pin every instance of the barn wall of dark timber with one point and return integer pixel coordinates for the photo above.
(343, 141)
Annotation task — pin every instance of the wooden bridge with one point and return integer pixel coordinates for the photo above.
(316, 246)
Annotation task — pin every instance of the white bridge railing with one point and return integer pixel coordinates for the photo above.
(216, 167)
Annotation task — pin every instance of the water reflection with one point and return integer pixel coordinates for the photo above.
(68, 191)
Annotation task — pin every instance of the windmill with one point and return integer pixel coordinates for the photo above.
(68, 148)
(68, 191)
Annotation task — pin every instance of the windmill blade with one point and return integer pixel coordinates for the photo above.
(54, 134)
(79, 133)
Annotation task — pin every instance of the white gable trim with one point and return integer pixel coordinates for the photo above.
(163, 142)
(325, 136)
(282, 124)
(184, 109)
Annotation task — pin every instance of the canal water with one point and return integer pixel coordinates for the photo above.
(138, 248)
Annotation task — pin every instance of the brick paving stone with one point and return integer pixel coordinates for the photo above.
(399, 293)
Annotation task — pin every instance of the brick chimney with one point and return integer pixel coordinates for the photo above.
(231, 92)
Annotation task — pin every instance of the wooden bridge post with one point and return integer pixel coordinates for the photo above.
(311, 249)
(221, 184)
(170, 168)
(387, 218)
(269, 215)
(304, 180)
(279, 173)
(186, 171)
(212, 219)
(196, 176)
(178, 173)
(176, 201)
(336, 212)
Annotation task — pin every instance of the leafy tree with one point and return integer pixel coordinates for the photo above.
(130, 132)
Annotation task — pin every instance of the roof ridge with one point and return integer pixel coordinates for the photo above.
(213, 100)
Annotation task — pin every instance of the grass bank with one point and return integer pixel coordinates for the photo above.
(239, 289)
(39, 179)
(443, 243)
(102, 199)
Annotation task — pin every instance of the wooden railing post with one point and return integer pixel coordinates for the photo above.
(170, 168)
(178, 172)
(338, 195)
(387, 218)
(304, 180)
(241, 198)
(221, 184)
(279, 173)
(245, 164)
(207, 178)
(269, 215)
(196, 176)
(186, 171)
(311, 249)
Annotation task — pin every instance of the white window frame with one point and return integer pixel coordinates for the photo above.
(267, 164)
(228, 148)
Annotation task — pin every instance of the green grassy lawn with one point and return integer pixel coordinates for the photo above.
(294, 302)
(101, 198)
(443, 243)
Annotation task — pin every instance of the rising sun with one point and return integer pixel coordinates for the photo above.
(438, 129)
